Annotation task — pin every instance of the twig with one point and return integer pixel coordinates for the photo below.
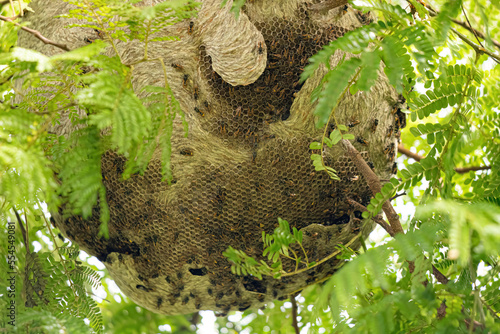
(23, 232)
(476, 47)
(397, 195)
(35, 33)
(470, 25)
(376, 219)
(459, 170)
(463, 170)
(294, 313)
(492, 311)
(473, 324)
(433, 12)
(327, 5)
(441, 312)
(476, 32)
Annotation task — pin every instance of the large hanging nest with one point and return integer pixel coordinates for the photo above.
(246, 160)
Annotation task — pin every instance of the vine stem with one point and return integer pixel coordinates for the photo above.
(326, 258)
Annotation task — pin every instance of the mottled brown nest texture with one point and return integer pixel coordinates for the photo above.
(245, 162)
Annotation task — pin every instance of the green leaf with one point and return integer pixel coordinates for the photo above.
(335, 136)
(349, 136)
(315, 146)
(338, 80)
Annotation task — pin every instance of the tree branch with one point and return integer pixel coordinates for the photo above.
(23, 231)
(294, 313)
(459, 170)
(375, 186)
(376, 219)
(408, 153)
(35, 33)
(433, 12)
(476, 47)
(327, 5)
(474, 31)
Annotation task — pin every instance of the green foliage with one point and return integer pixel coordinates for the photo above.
(276, 246)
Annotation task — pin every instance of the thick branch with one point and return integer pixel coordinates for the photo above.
(294, 314)
(374, 184)
(408, 153)
(459, 170)
(35, 33)
(327, 5)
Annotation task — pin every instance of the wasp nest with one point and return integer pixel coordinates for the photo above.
(246, 160)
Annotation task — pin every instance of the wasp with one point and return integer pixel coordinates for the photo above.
(185, 79)
(199, 111)
(353, 122)
(196, 92)
(261, 49)
(394, 168)
(100, 33)
(370, 164)
(159, 301)
(361, 140)
(374, 125)
(143, 288)
(273, 65)
(187, 151)
(223, 129)
(219, 295)
(400, 119)
(191, 26)
(389, 131)
(282, 93)
(300, 48)
(185, 300)
(274, 44)
(177, 66)
(207, 105)
(390, 151)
